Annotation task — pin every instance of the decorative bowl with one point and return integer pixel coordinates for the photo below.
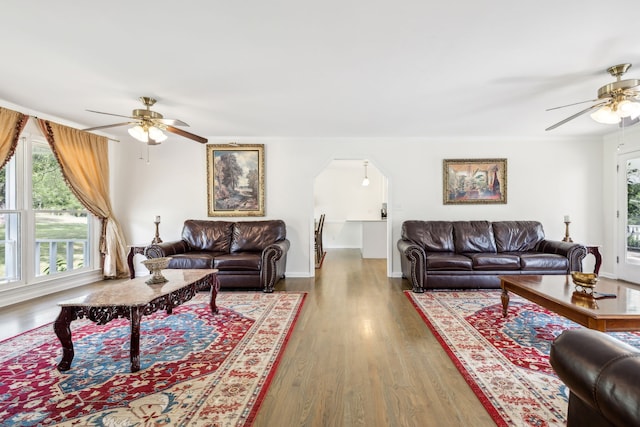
(588, 280)
(155, 266)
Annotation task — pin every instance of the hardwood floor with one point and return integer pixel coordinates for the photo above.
(360, 354)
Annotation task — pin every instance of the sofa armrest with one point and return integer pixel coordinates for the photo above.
(159, 250)
(603, 375)
(274, 264)
(413, 261)
(575, 252)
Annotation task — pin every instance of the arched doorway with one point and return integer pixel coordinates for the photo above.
(356, 215)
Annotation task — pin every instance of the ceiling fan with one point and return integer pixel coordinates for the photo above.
(617, 102)
(147, 125)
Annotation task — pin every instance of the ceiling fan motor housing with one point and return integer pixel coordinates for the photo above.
(618, 88)
(146, 114)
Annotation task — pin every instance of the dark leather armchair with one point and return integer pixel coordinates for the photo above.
(247, 254)
(603, 376)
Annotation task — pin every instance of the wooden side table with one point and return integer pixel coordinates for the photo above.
(133, 250)
(593, 250)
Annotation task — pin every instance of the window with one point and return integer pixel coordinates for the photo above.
(44, 230)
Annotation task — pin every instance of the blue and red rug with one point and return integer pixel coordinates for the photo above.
(196, 369)
(504, 360)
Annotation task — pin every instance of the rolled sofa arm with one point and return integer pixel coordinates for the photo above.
(575, 252)
(603, 375)
(274, 264)
(159, 250)
(413, 261)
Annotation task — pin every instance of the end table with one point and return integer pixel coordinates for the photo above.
(133, 250)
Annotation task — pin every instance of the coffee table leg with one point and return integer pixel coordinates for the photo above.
(505, 302)
(63, 331)
(215, 287)
(136, 314)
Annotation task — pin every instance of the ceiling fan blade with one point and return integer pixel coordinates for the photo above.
(187, 134)
(578, 114)
(110, 114)
(171, 122)
(110, 126)
(570, 105)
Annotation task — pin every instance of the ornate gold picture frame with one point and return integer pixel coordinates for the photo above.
(235, 180)
(474, 181)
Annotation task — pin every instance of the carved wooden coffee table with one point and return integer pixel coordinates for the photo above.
(132, 299)
(560, 295)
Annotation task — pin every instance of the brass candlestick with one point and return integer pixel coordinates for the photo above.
(157, 239)
(566, 232)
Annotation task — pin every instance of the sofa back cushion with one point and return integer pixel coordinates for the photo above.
(432, 236)
(473, 236)
(203, 235)
(253, 236)
(517, 236)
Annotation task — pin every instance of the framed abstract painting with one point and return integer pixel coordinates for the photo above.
(474, 181)
(235, 179)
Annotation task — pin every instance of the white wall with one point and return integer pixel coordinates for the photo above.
(547, 179)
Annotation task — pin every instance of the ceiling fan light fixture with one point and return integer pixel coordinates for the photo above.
(628, 108)
(606, 115)
(156, 134)
(139, 133)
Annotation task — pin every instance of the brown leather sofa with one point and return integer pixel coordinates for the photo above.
(603, 377)
(247, 254)
(472, 254)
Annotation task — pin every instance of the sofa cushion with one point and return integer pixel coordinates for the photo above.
(254, 236)
(517, 236)
(192, 260)
(489, 261)
(448, 261)
(432, 236)
(239, 261)
(473, 236)
(542, 261)
(203, 235)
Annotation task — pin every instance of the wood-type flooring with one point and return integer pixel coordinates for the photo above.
(360, 355)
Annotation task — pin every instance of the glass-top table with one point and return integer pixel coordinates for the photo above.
(613, 305)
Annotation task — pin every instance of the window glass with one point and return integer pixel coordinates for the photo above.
(62, 226)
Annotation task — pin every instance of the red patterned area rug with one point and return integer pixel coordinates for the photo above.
(504, 360)
(195, 368)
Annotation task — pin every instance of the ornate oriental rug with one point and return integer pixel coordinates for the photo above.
(195, 368)
(504, 360)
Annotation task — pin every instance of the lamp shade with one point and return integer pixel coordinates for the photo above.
(156, 134)
(606, 115)
(138, 133)
(628, 108)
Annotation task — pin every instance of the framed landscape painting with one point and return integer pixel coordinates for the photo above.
(235, 180)
(474, 181)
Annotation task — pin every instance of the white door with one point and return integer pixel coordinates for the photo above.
(629, 217)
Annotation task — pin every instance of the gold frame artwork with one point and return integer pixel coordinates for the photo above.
(235, 180)
(474, 181)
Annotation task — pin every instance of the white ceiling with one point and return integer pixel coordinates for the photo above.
(330, 68)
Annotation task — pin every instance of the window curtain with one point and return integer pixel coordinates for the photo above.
(84, 161)
(11, 125)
